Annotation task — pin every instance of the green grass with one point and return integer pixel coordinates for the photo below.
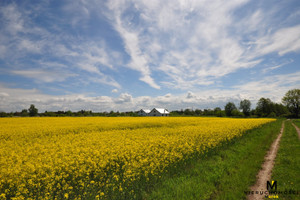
(297, 122)
(223, 173)
(287, 164)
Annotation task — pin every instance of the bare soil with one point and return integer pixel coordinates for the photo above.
(298, 130)
(264, 174)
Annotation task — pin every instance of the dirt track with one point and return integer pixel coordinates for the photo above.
(264, 174)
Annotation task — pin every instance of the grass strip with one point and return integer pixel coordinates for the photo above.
(225, 172)
(287, 164)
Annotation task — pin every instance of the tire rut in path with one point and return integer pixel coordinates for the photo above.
(264, 174)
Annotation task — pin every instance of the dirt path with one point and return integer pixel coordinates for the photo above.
(298, 130)
(264, 174)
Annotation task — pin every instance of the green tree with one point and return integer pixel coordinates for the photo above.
(230, 106)
(217, 109)
(188, 112)
(220, 113)
(245, 105)
(281, 110)
(292, 101)
(24, 113)
(237, 113)
(264, 107)
(198, 112)
(33, 111)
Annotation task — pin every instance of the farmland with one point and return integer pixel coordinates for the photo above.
(102, 158)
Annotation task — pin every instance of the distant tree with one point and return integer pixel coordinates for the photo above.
(272, 115)
(198, 112)
(3, 114)
(220, 113)
(264, 107)
(292, 101)
(188, 112)
(217, 109)
(253, 112)
(237, 113)
(24, 113)
(245, 105)
(49, 114)
(69, 113)
(33, 111)
(208, 112)
(112, 114)
(230, 106)
(281, 110)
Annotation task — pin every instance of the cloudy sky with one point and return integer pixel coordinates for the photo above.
(125, 55)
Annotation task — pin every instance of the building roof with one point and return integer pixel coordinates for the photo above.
(162, 110)
(146, 110)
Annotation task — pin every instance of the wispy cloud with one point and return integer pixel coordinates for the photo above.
(282, 41)
(268, 69)
(131, 37)
(195, 43)
(43, 75)
(25, 38)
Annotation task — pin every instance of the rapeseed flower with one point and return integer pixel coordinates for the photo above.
(92, 157)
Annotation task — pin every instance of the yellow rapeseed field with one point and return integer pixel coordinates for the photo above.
(98, 157)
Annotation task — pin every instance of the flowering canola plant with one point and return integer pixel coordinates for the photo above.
(98, 157)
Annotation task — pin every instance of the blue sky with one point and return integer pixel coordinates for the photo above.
(126, 55)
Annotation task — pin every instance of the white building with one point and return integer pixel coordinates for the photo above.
(144, 112)
(159, 112)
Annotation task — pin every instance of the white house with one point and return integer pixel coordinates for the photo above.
(144, 112)
(159, 112)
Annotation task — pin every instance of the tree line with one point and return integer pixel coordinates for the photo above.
(32, 112)
(265, 108)
(290, 107)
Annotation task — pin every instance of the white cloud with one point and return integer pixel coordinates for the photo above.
(268, 69)
(114, 91)
(273, 87)
(282, 41)
(124, 98)
(190, 95)
(44, 75)
(54, 56)
(138, 61)
(14, 19)
(197, 42)
(193, 37)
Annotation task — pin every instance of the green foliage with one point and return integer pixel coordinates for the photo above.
(245, 105)
(24, 113)
(33, 111)
(292, 101)
(237, 113)
(4, 114)
(220, 113)
(264, 107)
(230, 106)
(267, 108)
(272, 115)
